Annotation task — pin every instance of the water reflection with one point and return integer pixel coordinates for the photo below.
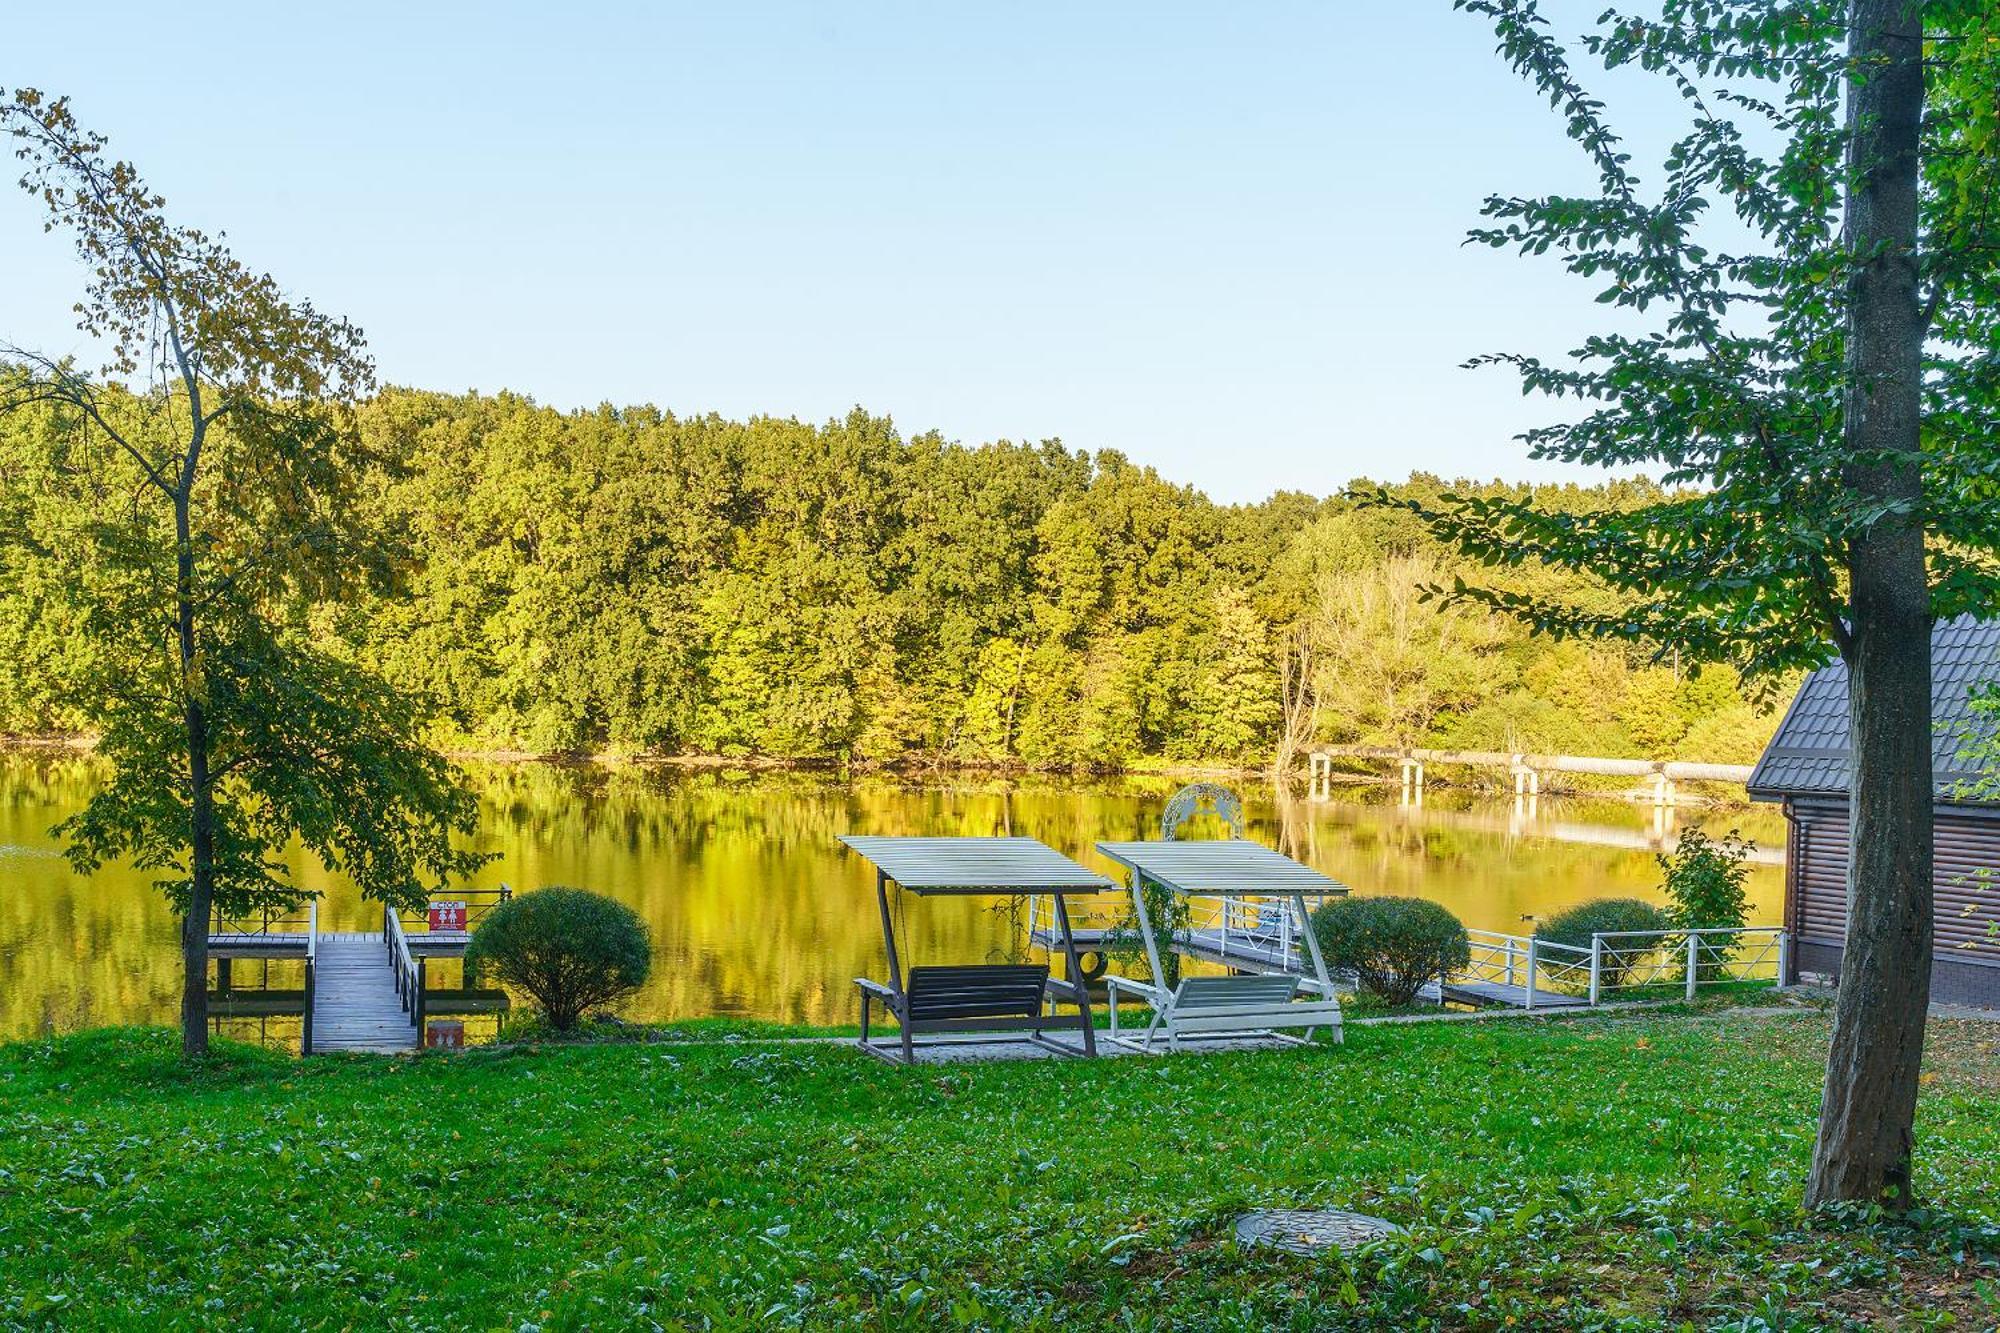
(756, 910)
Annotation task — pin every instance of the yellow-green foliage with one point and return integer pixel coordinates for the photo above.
(636, 581)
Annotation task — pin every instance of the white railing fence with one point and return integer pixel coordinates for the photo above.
(1624, 963)
(1269, 926)
(1033, 917)
(1633, 960)
(1520, 961)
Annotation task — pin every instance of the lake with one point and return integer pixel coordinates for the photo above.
(755, 909)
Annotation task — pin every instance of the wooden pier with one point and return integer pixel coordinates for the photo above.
(364, 990)
(356, 1005)
(1499, 994)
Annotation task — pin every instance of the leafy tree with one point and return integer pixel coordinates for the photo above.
(198, 519)
(1234, 704)
(673, 606)
(1817, 369)
(1735, 735)
(1389, 663)
(1651, 714)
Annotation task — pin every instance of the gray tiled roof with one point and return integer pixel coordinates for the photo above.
(1808, 756)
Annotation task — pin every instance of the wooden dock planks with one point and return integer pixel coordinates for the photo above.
(355, 1006)
(1499, 993)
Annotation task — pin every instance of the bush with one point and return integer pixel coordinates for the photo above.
(1392, 945)
(1704, 881)
(1575, 925)
(568, 950)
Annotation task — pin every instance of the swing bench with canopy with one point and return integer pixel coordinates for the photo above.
(1253, 1002)
(1264, 888)
(967, 1001)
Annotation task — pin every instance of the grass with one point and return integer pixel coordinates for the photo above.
(528, 1026)
(1596, 1172)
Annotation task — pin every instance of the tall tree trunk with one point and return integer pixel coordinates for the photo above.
(201, 803)
(1868, 1117)
(1295, 700)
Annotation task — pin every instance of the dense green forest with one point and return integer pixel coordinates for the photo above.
(632, 581)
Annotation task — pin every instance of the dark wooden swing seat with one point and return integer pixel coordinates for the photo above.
(980, 997)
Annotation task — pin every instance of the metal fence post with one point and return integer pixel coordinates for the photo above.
(1784, 959)
(1694, 962)
(1530, 1003)
(1596, 965)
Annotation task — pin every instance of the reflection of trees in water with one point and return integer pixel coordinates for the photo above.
(754, 906)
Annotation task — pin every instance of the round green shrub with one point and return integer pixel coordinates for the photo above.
(1393, 946)
(1575, 925)
(568, 950)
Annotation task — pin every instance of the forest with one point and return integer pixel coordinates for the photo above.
(628, 581)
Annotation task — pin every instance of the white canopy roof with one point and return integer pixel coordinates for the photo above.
(1231, 868)
(977, 865)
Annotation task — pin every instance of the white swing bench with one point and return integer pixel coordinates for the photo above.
(1263, 1001)
(1219, 1007)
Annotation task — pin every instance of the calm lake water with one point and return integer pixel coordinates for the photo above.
(755, 909)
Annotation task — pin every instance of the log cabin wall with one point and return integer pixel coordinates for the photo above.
(1965, 879)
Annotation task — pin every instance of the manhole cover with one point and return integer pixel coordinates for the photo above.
(1309, 1230)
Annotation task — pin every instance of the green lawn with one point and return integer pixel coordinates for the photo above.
(1596, 1172)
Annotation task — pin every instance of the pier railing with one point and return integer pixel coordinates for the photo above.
(407, 968)
(1247, 925)
(1623, 964)
(1630, 962)
(479, 903)
(268, 921)
(312, 969)
(1518, 962)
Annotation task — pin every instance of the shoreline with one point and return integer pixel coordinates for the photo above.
(1692, 795)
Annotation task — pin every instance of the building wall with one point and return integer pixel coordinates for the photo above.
(1966, 881)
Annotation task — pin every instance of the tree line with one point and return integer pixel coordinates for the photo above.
(634, 581)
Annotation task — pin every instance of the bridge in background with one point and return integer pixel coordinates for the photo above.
(1527, 769)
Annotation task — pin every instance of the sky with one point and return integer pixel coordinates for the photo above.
(1224, 240)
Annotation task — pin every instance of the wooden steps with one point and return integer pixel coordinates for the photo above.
(355, 1006)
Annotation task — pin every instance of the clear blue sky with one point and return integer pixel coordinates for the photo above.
(1221, 238)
